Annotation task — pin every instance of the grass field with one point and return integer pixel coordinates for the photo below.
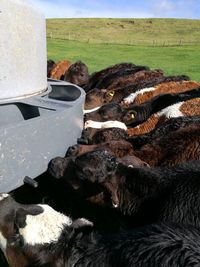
(103, 42)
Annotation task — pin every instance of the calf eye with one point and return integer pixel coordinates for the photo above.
(132, 114)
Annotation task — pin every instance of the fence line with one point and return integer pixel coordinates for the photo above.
(155, 42)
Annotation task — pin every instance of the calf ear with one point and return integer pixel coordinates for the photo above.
(82, 224)
(21, 213)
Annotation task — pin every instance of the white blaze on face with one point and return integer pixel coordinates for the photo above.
(45, 227)
(105, 124)
(172, 111)
(130, 99)
(90, 110)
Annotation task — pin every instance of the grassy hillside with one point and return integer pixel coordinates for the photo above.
(126, 31)
(103, 42)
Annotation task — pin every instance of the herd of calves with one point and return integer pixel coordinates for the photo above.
(138, 159)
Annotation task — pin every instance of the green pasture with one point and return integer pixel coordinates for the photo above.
(173, 60)
(170, 44)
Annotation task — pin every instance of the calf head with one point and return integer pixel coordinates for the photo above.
(107, 134)
(77, 74)
(101, 169)
(29, 234)
(12, 217)
(111, 111)
(65, 168)
(58, 167)
(135, 115)
(97, 168)
(97, 136)
(94, 98)
(98, 97)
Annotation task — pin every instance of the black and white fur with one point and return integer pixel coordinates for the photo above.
(63, 242)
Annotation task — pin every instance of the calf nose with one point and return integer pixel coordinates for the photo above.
(55, 167)
(72, 151)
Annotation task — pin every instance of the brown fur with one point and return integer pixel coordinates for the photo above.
(169, 87)
(179, 146)
(97, 76)
(191, 107)
(108, 134)
(134, 78)
(110, 78)
(97, 97)
(16, 258)
(188, 108)
(59, 70)
(146, 126)
(77, 74)
(97, 136)
(122, 92)
(119, 148)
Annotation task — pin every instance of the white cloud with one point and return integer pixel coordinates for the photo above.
(165, 5)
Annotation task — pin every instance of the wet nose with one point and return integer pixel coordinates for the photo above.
(72, 151)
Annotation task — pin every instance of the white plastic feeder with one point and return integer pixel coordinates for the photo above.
(23, 50)
(36, 123)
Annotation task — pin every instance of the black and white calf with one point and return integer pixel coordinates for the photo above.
(40, 236)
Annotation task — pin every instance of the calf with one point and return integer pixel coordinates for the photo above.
(176, 147)
(106, 112)
(137, 114)
(187, 108)
(146, 94)
(96, 97)
(144, 194)
(96, 136)
(77, 74)
(119, 148)
(53, 239)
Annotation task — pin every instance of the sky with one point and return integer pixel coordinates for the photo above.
(189, 9)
